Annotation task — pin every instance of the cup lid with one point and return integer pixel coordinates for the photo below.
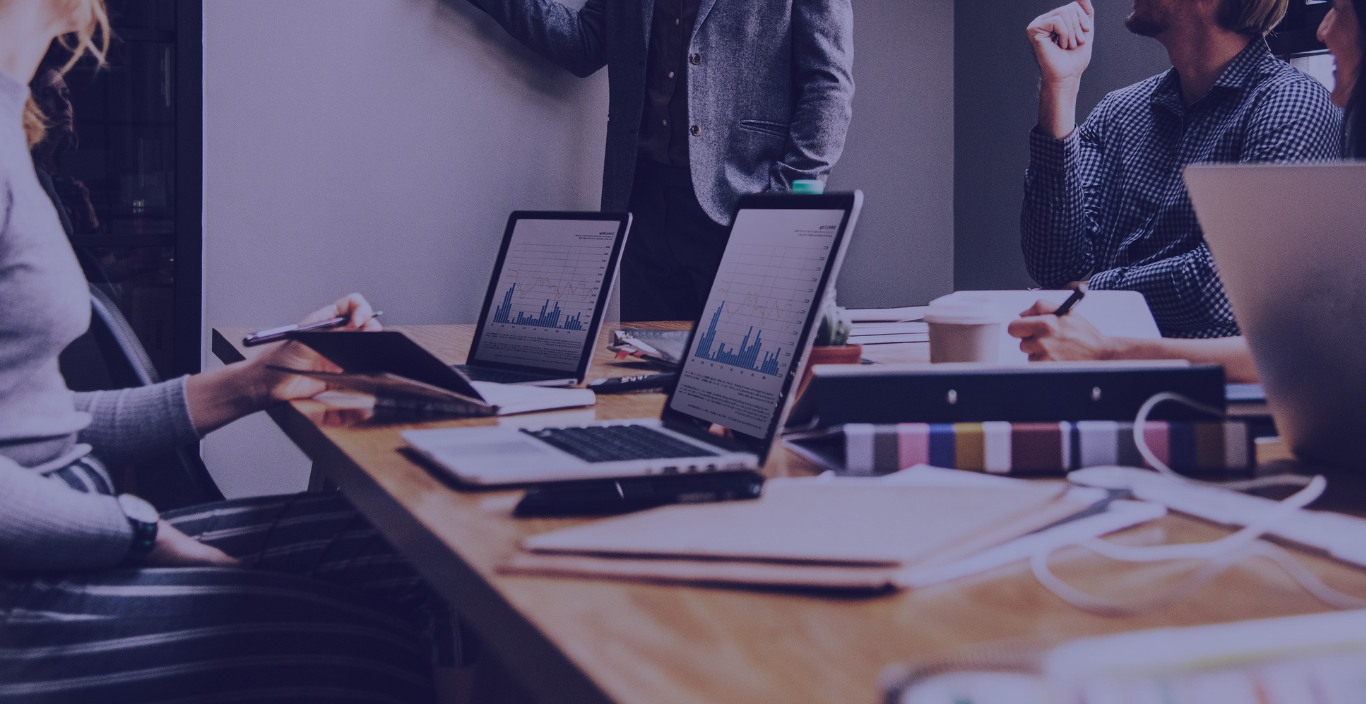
(962, 314)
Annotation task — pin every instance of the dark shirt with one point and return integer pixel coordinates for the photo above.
(1108, 202)
(664, 124)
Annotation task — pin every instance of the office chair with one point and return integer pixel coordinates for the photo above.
(110, 356)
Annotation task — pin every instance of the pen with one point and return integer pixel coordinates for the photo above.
(261, 337)
(1071, 301)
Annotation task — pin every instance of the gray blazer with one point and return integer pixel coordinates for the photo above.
(770, 86)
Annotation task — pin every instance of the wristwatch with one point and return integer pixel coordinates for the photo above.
(143, 518)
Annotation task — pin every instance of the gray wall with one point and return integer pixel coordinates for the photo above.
(374, 146)
(900, 152)
(996, 104)
(378, 145)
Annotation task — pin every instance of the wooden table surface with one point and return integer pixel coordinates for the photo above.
(581, 640)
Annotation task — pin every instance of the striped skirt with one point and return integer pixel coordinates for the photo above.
(322, 611)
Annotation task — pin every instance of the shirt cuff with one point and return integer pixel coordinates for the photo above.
(1110, 280)
(1048, 153)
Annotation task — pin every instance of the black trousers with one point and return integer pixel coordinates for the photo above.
(674, 248)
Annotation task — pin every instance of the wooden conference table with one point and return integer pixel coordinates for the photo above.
(579, 640)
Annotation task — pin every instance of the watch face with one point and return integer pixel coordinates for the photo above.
(138, 509)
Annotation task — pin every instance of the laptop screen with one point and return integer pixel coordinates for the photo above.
(744, 353)
(548, 292)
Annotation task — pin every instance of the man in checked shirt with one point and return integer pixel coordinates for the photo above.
(1105, 201)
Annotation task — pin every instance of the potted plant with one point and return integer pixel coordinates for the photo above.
(831, 343)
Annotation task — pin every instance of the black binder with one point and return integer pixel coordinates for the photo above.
(966, 393)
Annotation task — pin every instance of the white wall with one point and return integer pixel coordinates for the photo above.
(378, 145)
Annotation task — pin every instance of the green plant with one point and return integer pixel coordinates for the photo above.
(835, 324)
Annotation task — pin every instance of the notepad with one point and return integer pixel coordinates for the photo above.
(801, 533)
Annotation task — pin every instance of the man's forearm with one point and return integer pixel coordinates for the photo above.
(1058, 107)
(1229, 352)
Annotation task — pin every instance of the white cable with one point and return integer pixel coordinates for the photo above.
(1204, 551)
(1218, 555)
(1039, 564)
(1141, 441)
(1213, 567)
(1307, 579)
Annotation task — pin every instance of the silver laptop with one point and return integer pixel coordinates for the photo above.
(743, 359)
(1290, 245)
(547, 298)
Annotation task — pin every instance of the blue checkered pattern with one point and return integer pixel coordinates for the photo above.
(1108, 202)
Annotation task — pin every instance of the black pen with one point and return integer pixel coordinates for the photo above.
(601, 497)
(1071, 301)
(261, 337)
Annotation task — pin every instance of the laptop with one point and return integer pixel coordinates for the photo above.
(742, 362)
(1290, 245)
(547, 298)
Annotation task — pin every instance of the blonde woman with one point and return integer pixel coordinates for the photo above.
(289, 598)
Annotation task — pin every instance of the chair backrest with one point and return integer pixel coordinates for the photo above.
(128, 362)
(174, 480)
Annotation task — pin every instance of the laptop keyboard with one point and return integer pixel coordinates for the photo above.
(617, 443)
(498, 376)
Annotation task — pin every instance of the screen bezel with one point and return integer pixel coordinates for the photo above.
(736, 441)
(623, 221)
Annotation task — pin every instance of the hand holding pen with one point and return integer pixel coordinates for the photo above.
(219, 396)
(1072, 300)
(352, 310)
(1048, 333)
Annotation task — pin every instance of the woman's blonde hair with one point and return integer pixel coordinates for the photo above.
(1255, 18)
(91, 38)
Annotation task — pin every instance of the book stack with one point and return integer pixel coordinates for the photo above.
(1044, 448)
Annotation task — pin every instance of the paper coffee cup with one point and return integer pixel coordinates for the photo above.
(964, 333)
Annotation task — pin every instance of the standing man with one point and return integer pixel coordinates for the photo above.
(709, 101)
(1106, 200)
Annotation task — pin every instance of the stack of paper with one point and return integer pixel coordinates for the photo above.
(887, 326)
(887, 315)
(888, 333)
(664, 348)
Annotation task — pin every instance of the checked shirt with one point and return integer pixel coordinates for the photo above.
(1108, 202)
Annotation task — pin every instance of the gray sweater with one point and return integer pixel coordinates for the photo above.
(44, 305)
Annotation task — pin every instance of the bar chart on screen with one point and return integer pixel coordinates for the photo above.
(549, 287)
(765, 289)
(765, 293)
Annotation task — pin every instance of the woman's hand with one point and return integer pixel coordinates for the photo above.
(1047, 337)
(175, 549)
(221, 396)
(274, 386)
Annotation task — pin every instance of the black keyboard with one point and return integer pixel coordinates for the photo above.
(618, 443)
(499, 376)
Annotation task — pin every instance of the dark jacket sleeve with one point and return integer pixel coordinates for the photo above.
(576, 40)
(823, 64)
